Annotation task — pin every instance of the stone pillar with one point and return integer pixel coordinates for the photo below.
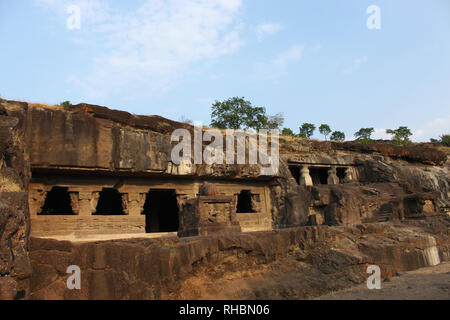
(133, 203)
(74, 203)
(181, 199)
(36, 200)
(305, 178)
(349, 176)
(256, 202)
(332, 177)
(87, 202)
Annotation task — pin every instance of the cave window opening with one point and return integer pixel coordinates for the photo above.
(318, 175)
(57, 203)
(161, 211)
(295, 171)
(340, 172)
(244, 202)
(109, 203)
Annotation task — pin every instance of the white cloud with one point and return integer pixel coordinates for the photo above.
(355, 65)
(292, 55)
(432, 129)
(380, 133)
(152, 48)
(274, 69)
(92, 11)
(267, 29)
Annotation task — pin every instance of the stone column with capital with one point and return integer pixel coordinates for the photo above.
(332, 176)
(87, 202)
(74, 202)
(349, 176)
(36, 200)
(133, 203)
(305, 178)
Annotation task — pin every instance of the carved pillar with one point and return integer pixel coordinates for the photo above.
(94, 201)
(349, 176)
(305, 178)
(74, 202)
(37, 200)
(133, 203)
(125, 204)
(256, 202)
(332, 177)
(181, 199)
(87, 202)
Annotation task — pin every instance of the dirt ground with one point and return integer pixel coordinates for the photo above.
(432, 283)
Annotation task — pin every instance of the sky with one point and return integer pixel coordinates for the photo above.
(314, 61)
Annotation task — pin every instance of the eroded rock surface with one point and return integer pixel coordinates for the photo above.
(367, 203)
(15, 268)
(294, 263)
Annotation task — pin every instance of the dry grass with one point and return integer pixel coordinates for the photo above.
(7, 185)
(44, 106)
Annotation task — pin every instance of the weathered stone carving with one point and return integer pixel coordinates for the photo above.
(36, 200)
(332, 177)
(349, 176)
(74, 202)
(305, 178)
(209, 213)
(133, 203)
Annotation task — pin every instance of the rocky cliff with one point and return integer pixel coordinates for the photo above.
(15, 267)
(292, 263)
(394, 192)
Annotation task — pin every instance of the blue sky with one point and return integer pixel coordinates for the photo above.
(314, 61)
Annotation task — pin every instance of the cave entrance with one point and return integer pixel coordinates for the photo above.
(109, 203)
(340, 172)
(319, 175)
(295, 171)
(57, 203)
(244, 202)
(161, 211)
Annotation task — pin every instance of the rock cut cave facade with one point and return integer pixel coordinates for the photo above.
(101, 171)
(68, 173)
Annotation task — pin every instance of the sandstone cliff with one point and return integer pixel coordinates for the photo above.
(355, 185)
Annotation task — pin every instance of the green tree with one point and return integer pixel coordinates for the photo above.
(65, 104)
(287, 132)
(275, 121)
(363, 134)
(337, 136)
(400, 135)
(184, 119)
(238, 113)
(307, 130)
(444, 140)
(325, 130)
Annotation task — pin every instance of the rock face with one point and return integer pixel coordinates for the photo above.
(290, 263)
(382, 188)
(80, 153)
(15, 269)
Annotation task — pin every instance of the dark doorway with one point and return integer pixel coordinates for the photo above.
(340, 172)
(318, 175)
(244, 202)
(161, 211)
(109, 203)
(295, 171)
(57, 202)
